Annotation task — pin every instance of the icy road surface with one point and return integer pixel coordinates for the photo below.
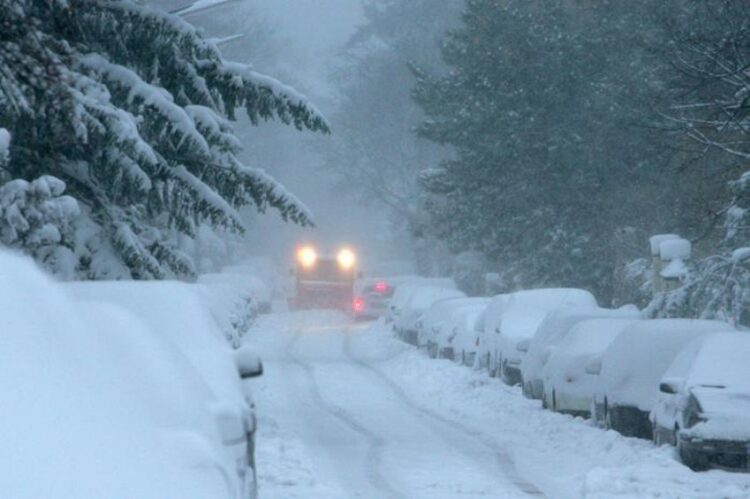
(348, 411)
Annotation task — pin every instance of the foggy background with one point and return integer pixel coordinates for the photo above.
(301, 43)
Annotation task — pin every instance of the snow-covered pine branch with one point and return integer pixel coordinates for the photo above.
(128, 105)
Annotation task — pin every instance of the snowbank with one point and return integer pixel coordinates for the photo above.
(97, 405)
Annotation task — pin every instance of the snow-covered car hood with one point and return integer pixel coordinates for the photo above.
(727, 414)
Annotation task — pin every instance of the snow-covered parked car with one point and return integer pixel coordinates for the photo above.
(703, 405)
(458, 340)
(397, 301)
(97, 404)
(489, 328)
(436, 318)
(551, 332)
(421, 298)
(178, 314)
(519, 319)
(568, 388)
(631, 367)
(405, 286)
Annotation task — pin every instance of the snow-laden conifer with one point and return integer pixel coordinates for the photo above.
(129, 106)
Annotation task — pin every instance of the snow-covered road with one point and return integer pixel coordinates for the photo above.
(347, 411)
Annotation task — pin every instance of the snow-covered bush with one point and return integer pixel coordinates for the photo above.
(127, 105)
(36, 217)
(718, 288)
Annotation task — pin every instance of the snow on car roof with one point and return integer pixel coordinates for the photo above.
(558, 323)
(523, 311)
(636, 360)
(593, 336)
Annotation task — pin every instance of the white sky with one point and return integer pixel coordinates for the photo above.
(317, 29)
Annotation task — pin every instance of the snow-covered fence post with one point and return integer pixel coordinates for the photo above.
(672, 254)
(656, 262)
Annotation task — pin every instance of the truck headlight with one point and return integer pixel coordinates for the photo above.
(307, 256)
(346, 258)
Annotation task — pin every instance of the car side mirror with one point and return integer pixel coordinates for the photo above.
(523, 346)
(669, 386)
(594, 367)
(248, 363)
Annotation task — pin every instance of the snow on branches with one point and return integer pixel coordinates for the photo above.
(127, 104)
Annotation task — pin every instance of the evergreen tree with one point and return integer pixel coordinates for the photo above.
(127, 104)
(540, 103)
(708, 108)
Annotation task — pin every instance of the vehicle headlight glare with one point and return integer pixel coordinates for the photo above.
(307, 256)
(346, 258)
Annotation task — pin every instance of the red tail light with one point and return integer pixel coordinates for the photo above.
(381, 287)
(358, 305)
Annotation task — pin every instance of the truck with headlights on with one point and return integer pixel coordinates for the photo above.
(323, 280)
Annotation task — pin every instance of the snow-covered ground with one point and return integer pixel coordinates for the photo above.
(348, 411)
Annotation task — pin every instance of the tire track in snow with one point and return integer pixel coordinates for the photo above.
(375, 444)
(504, 461)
